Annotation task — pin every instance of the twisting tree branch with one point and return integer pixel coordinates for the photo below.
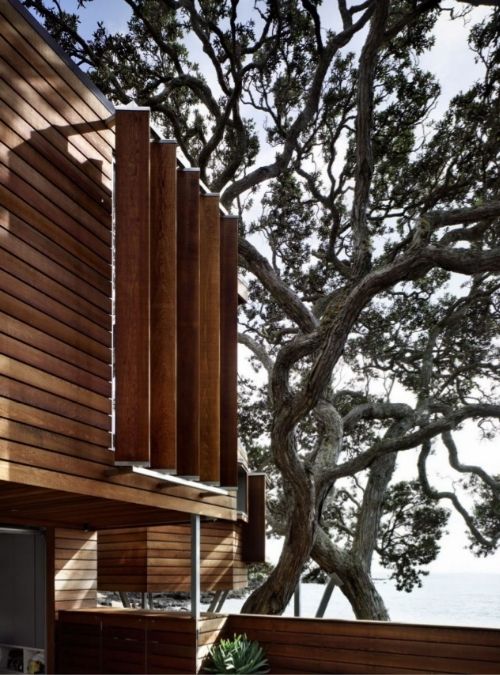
(437, 495)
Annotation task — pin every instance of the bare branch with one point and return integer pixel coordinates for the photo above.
(437, 495)
(467, 468)
(257, 349)
(463, 216)
(295, 310)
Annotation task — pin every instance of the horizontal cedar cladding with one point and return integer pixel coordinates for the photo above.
(56, 171)
(159, 558)
(295, 645)
(55, 254)
(75, 573)
(57, 140)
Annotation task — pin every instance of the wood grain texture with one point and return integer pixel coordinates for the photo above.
(132, 287)
(254, 532)
(159, 558)
(75, 577)
(330, 646)
(210, 340)
(131, 641)
(229, 352)
(163, 306)
(188, 324)
(61, 112)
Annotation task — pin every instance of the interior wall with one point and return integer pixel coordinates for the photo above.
(22, 589)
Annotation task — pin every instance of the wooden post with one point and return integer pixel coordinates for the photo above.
(210, 339)
(188, 323)
(229, 352)
(132, 286)
(254, 532)
(163, 306)
(50, 610)
(195, 568)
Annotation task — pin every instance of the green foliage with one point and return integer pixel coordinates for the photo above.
(486, 514)
(409, 535)
(237, 655)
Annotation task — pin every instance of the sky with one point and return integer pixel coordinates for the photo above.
(455, 68)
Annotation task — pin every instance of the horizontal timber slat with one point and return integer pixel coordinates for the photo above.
(326, 646)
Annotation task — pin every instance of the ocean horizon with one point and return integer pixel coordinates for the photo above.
(451, 599)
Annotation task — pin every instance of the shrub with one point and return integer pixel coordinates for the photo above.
(239, 655)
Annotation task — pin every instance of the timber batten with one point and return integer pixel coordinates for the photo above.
(132, 330)
(163, 306)
(229, 351)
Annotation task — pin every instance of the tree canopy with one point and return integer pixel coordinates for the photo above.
(371, 242)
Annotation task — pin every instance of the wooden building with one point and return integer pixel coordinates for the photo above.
(118, 417)
(119, 466)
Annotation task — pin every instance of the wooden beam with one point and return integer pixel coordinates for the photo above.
(132, 286)
(254, 532)
(210, 339)
(188, 323)
(229, 351)
(163, 306)
(50, 611)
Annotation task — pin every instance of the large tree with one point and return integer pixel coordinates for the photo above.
(370, 235)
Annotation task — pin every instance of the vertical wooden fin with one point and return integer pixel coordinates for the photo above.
(254, 532)
(210, 339)
(163, 306)
(229, 351)
(188, 323)
(132, 286)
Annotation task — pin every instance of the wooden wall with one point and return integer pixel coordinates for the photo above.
(159, 558)
(328, 646)
(75, 561)
(55, 251)
(57, 139)
(129, 641)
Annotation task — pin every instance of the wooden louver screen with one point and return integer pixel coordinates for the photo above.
(176, 313)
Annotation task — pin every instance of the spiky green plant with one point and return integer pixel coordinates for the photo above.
(237, 655)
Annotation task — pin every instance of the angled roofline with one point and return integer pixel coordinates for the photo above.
(82, 76)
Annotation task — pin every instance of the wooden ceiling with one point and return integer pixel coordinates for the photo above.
(42, 507)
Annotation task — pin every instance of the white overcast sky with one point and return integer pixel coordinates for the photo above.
(454, 66)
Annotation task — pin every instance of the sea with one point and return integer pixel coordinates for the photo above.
(457, 599)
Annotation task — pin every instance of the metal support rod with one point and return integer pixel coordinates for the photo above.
(195, 567)
(222, 600)
(296, 600)
(215, 601)
(327, 594)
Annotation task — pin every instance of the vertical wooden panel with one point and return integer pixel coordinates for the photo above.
(188, 323)
(229, 351)
(163, 305)
(132, 286)
(50, 610)
(210, 339)
(254, 532)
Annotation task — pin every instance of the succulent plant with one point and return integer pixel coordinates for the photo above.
(237, 655)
